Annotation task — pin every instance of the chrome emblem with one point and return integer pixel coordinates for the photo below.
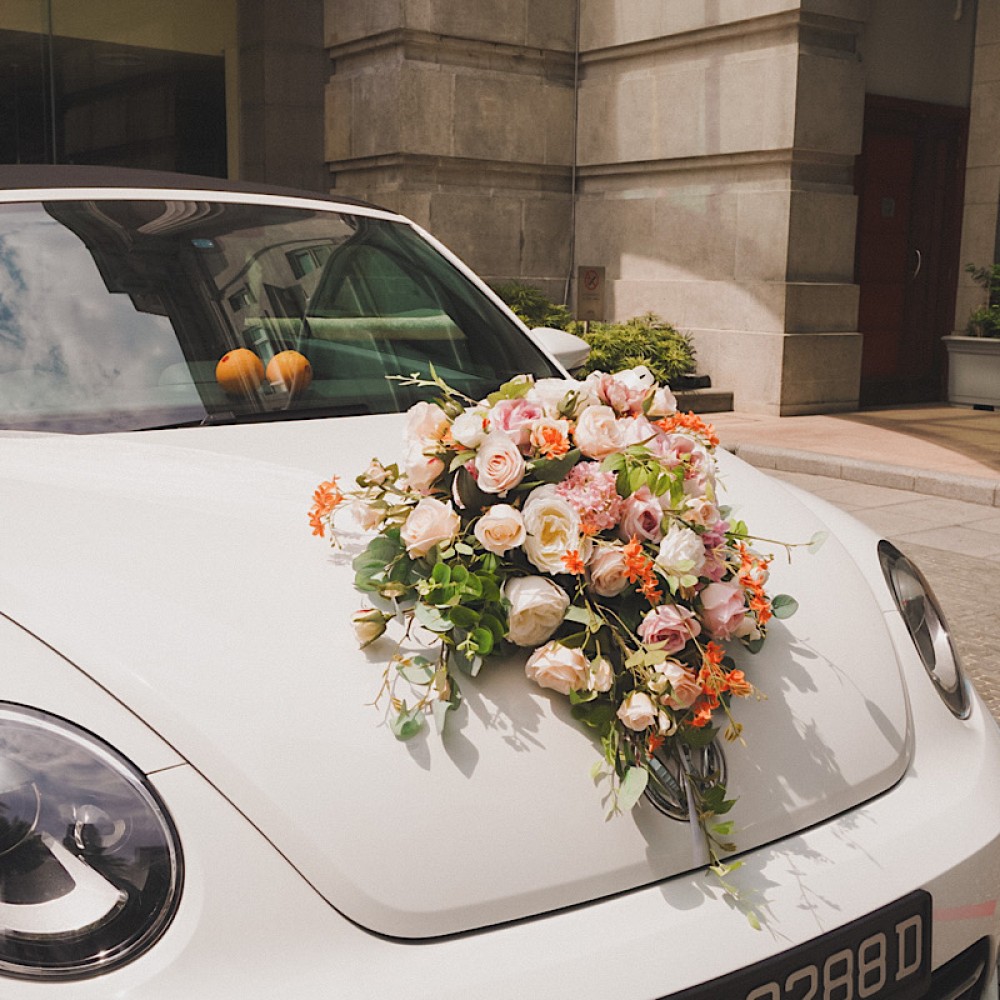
(668, 785)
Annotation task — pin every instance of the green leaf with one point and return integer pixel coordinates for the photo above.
(482, 638)
(464, 550)
(463, 617)
(632, 786)
(555, 470)
(784, 606)
(417, 670)
(698, 737)
(459, 574)
(407, 722)
(441, 573)
(431, 618)
(817, 540)
(596, 714)
(494, 624)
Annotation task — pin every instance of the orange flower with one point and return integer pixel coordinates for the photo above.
(702, 714)
(653, 743)
(573, 563)
(639, 569)
(739, 685)
(326, 498)
(712, 677)
(550, 440)
(690, 422)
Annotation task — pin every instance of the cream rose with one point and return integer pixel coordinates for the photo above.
(562, 397)
(637, 711)
(601, 676)
(432, 522)
(557, 667)
(607, 572)
(500, 529)
(553, 527)
(597, 432)
(537, 608)
(499, 464)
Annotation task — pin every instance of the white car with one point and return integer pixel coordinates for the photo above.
(197, 798)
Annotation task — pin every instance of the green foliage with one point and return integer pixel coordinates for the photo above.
(531, 306)
(644, 340)
(985, 321)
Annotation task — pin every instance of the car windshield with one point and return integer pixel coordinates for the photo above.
(137, 314)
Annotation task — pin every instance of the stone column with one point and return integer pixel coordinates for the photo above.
(460, 115)
(716, 150)
(980, 230)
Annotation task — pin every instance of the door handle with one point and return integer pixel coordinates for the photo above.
(920, 261)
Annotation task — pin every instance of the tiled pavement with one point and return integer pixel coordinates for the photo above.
(957, 546)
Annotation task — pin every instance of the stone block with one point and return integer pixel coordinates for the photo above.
(375, 113)
(752, 99)
(830, 105)
(348, 20)
(982, 185)
(339, 115)
(821, 371)
(497, 118)
(979, 226)
(747, 362)
(483, 229)
(988, 23)
(426, 110)
(497, 21)
(986, 68)
(984, 136)
(816, 307)
(762, 236)
(551, 24)
(821, 236)
(546, 237)
(693, 233)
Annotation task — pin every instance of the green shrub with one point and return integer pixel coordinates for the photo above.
(985, 321)
(645, 340)
(531, 306)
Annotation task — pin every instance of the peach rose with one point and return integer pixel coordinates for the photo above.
(683, 685)
(421, 470)
(607, 572)
(558, 668)
(500, 529)
(637, 711)
(426, 422)
(602, 675)
(499, 464)
(432, 522)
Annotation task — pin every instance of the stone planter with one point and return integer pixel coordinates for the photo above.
(973, 370)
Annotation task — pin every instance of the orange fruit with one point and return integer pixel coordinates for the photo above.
(290, 369)
(239, 372)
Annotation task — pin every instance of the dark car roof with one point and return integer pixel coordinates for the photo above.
(43, 175)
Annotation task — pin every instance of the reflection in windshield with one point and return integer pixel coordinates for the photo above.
(119, 314)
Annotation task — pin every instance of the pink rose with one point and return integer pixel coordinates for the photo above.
(499, 464)
(642, 517)
(426, 422)
(432, 522)
(558, 668)
(421, 470)
(501, 528)
(515, 417)
(670, 625)
(624, 391)
(723, 609)
(597, 432)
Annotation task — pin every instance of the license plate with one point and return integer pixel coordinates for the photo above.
(885, 955)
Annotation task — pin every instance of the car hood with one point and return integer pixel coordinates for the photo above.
(177, 569)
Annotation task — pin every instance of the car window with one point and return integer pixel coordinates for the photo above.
(147, 313)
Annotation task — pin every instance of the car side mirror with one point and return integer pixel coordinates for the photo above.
(568, 349)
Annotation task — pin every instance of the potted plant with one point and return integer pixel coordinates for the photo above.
(974, 359)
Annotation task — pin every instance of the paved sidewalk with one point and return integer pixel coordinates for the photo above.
(926, 478)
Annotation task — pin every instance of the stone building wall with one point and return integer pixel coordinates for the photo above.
(980, 225)
(460, 115)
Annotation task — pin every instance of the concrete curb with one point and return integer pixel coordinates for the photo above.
(971, 489)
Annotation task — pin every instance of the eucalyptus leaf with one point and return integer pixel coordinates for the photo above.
(783, 606)
(407, 722)
(416, 671)
(431, 618)
(632, 786)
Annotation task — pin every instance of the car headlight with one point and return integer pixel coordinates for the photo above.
(90, 864)
(927, 627)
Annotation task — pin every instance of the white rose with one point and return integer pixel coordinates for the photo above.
(425, 422)
(432, 522)
(421, 470)
(367, 517)
(537, 608)
(607, 572)
(499, 464)
(602, 675)
(369, 624)
(597, 432)
(664, 403)
(468, 429)
(557, 667)
(562, 397)
(637, 711)
(500, 529)
(682, 552)
(553, 528)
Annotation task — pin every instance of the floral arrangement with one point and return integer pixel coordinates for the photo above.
(579, 520)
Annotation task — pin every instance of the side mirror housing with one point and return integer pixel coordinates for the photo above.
(568, 349)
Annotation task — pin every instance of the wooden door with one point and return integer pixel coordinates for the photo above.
(909, 181)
